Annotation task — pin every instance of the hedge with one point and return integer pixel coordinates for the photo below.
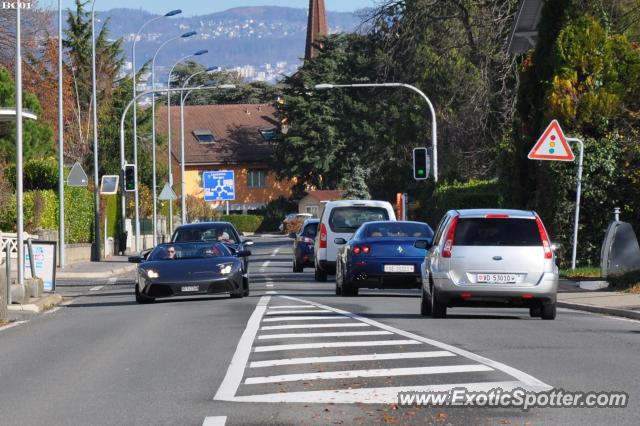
(38, 174)
(41, 212)
(244, 222)
(468, 195)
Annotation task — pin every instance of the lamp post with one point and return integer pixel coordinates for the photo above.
(19, 185)
(135, 127)
(434, 129)
(61, 238)
(183, 204)
(151, 92)
(170, 175)
(96, 184)
(153, 130)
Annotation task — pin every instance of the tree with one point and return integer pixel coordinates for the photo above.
(37, 136)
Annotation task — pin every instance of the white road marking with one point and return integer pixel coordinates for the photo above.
(273, 348)
(525, 378)
(304, 318)
(275, 252)
(297, 312)
(233, 378)
(112, 280)
(385, 395)
(295, 326)
(350, 358)
(270, 292)
(215, 421)
(264, 266)
(382, 372)
(291, 307)
(96, 288)
(330, 334)
(269, 285)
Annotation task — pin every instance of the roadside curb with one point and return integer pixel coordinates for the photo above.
(40, 305)
(95, 275)
(600, 310)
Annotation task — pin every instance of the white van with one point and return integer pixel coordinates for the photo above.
(340, 219)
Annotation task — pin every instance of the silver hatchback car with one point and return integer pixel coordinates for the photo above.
(490, 257)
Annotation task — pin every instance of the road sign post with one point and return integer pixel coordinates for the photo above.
(554, 146)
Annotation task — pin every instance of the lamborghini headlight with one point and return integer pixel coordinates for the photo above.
(226, 268)
(151, 273)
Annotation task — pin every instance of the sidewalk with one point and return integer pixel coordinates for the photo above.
(571, 296)
(105, 269)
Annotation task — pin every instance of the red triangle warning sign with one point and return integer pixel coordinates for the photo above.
(552, 145)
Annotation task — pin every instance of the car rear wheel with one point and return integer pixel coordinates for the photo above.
(438, 309)
(338, 280)
(548, 311)
(425, 304)
(535, 311)
(141, 298)
(320, 275)
(297, 267)
(348, 288)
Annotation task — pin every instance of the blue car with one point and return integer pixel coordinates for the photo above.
(384, 254)
(303, 243)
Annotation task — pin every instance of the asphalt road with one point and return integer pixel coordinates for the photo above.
(294, 353)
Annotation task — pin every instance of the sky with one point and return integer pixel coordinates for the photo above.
(200, 7)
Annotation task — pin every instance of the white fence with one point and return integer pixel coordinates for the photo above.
(11, 240)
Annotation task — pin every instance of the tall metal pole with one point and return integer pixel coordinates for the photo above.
(96, 183)
(135, 133)
(576, 220)
(61, 238)
(434, 126)
(19, 176)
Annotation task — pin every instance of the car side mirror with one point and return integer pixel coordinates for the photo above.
(136, 259)
(292, 235)
(340, 241)
(422, 244)
(248, 243)
(243, 253)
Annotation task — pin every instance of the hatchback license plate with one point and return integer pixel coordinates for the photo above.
(496, 278)
(398, 268)
(186, 288)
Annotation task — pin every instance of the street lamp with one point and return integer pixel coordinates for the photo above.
(96, 189)
(153, 129)
(135, 124)
(61, 238)
(19, 173)
(434, 129)
(151, 92)
(198, 53)
(183, 204)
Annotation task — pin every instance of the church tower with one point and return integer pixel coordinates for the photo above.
(316, 27)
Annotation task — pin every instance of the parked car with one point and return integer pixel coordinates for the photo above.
(303, 243)
(340, 219)
(381, 255)
(223, 232)
(187, 269)
(290, 219)
(492, 258)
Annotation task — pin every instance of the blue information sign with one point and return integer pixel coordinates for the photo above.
(219, 185)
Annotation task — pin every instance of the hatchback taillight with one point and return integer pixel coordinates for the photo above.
(544, 237)
(451, 234)
(323, 236)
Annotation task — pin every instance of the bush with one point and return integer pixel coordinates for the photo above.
(39, 174)
(624, 281)
(244, 222)
(468, 195)
(275, 212)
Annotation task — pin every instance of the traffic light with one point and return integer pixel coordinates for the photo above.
(420, 163)
(130, 177)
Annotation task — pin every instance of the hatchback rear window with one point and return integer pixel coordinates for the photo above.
(497, 232)
(310, 230)
(349, 219)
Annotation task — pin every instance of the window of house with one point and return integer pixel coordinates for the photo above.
(312, 210)
(204, 136)
(257, 178)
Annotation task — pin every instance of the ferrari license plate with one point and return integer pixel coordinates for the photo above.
(398, 268)
(187, 288)
(496, 278)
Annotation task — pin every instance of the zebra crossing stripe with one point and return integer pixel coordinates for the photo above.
(334, 334)
(334, 345)
(349, 358)
(296, 326)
